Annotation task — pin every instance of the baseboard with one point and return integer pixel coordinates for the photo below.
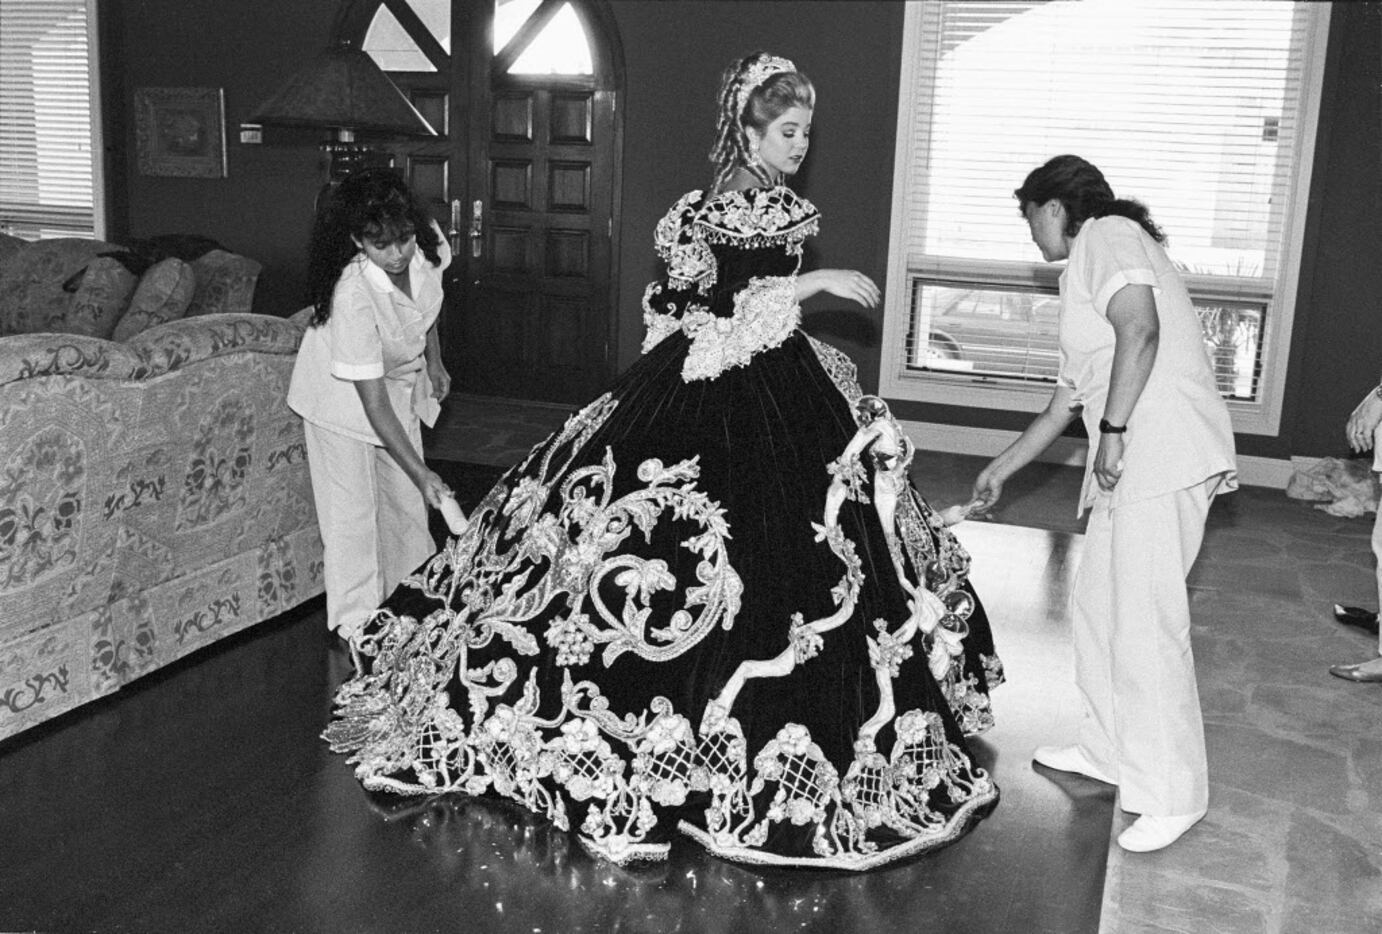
(986, 442)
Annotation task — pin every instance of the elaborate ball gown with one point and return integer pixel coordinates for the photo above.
(711, 603)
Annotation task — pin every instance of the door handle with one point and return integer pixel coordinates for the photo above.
(453, 232)
(477, 214)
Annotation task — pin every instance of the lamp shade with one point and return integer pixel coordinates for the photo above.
(343, 88)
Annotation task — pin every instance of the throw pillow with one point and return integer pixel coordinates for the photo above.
(163, 294)
(32, 279)
(102, 295)
(9, 245)
(225, 283)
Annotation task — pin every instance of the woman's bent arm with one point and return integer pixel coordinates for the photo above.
(374, 397)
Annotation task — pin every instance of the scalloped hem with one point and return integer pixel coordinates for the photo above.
(630, 853)
(969, 814)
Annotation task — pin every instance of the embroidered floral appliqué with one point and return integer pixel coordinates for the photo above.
(765, 314)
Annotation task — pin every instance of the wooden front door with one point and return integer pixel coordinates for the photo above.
(523, 179)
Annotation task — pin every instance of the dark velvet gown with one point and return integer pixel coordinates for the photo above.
(694, 608)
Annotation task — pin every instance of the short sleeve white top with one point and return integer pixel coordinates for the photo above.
(374, 331)
(1179, 433)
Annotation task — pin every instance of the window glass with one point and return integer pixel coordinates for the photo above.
(47, 170)
(508, 16)
(1200, 110)
(389, 44)
(561, 48)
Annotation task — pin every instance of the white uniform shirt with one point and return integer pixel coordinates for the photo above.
(374, 330)
(1179, 433)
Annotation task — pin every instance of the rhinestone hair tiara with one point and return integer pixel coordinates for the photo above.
(756, 74)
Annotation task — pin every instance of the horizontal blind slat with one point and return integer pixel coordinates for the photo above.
(1188, 106)
(45, 118)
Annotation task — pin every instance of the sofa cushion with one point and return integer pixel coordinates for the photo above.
(9, 245)
(178, 344)
(102, 295)
(35, 356)
(225, 283)
(32, 279)
(163, 294)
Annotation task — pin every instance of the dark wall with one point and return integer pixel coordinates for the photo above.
(264, 207)
(674, 53)
(1336, 344)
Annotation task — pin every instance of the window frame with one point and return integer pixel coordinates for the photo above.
(95, 92)
(896, 381)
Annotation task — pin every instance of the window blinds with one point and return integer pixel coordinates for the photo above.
(1191, 107)
(46, 166)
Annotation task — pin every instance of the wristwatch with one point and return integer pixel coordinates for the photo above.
(1106, 429)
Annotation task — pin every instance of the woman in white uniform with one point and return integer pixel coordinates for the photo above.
(1362, 431)
(368, 371)
(1133, 362)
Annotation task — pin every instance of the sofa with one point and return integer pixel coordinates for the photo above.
(154, 495)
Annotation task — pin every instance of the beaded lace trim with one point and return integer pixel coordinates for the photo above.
(765, 315)
(750, 219)
(425, 718)
(761, 216)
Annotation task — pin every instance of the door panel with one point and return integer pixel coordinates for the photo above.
(523, 181)
(546, 239)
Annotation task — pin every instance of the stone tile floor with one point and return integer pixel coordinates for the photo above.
(1293, 840)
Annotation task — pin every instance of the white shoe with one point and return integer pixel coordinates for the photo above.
(1070, 759)
(1149, 833)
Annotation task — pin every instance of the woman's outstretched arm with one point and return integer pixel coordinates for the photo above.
(846, 283)
(1038, 436)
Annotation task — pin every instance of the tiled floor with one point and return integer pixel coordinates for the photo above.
(1293, 839)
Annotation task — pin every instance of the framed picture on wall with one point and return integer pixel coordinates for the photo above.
(180, 131)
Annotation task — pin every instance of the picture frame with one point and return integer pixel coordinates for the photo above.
(180, 132)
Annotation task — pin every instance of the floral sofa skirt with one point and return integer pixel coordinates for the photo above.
(154, 497)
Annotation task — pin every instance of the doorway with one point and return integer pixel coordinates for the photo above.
(523, 177)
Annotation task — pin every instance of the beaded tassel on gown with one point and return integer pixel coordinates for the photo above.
(711, 604)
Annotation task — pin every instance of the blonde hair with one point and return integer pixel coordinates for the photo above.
(747, 99)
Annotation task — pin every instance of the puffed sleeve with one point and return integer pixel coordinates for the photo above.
(690, 271)
(1118, 256)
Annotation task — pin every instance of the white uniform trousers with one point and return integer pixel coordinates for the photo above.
(1377, 556)
(373, 522)
(1133, 663)
(1377, 526)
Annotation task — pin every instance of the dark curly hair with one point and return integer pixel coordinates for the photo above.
(372, 204)
(1084, 191)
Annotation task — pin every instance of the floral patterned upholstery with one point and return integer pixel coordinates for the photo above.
(163, 294)
(100, 301)
(225, 283)
(154, 497)
(75, 286)
(32, 280)
(9, 245)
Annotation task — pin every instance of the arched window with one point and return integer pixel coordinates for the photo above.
(547, 38)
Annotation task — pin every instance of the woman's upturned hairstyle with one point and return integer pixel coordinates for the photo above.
(761, 105)
(372, 204)
(1082, 188)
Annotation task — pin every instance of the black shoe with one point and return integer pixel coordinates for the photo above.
(1365, 620)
